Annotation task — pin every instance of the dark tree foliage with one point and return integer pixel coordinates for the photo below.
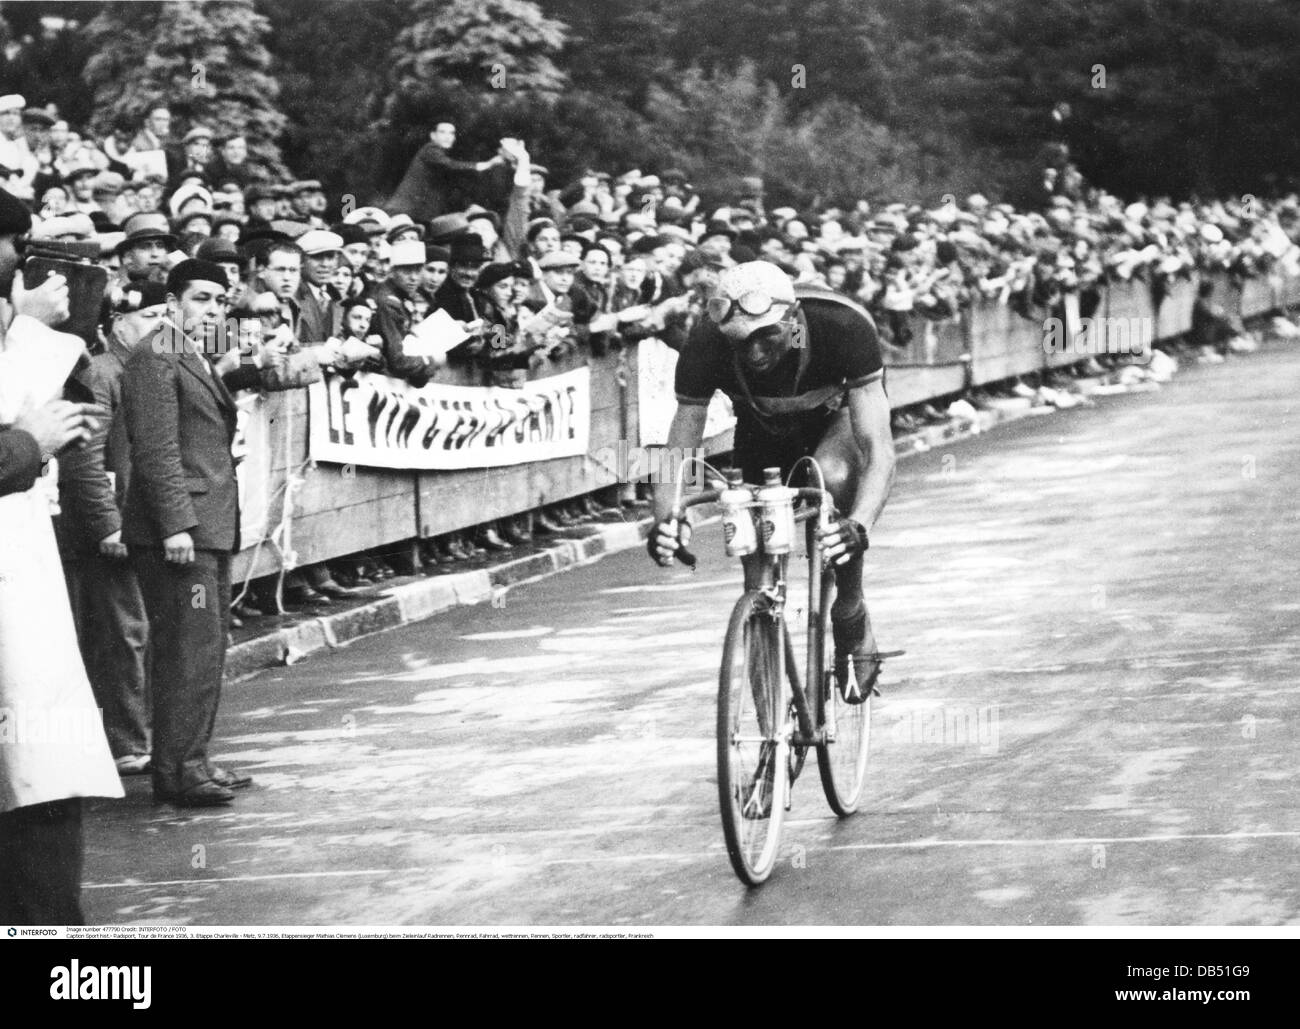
(910, 98)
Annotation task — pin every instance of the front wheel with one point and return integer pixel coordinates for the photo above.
(753, 738)
(843, 758)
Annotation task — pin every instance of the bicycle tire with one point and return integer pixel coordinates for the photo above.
(843, 762)
(748, 749)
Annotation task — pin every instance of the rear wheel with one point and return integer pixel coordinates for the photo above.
(843, 758)
(753, 743)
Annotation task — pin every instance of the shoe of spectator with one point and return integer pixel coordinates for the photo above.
(544, 523)
(933, 415)
(575, 512)
(458, 549)
(246, 609)
(305, 595)
(515, 530)
(333, 589)
(230, 780)
(490, 539)
(133, 764)
(205, 794)
(235, 621)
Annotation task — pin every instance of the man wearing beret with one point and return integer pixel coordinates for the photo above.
(181, 526)
(424, 192)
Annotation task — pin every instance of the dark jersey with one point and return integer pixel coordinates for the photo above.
(798, 397)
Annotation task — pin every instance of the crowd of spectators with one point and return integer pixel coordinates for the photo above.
(540, 274)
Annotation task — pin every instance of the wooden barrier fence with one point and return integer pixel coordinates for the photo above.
(338, 510)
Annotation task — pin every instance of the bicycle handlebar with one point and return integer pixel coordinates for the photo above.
(709, 496)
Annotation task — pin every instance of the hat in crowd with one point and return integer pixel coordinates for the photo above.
(437, 252)
(675, 232)
(15, 219)
(350, 233)
(320, 241)
(139, 295)
(189, 216)
(494, 273)
(674, 175)
(558, 259)
(475, 212)
(368, 214)
(291, 229)
(407, 253)
(217, 249)
(12, 102)
(784, 214)
(194, 270)
(77, 225)
(468, 250)
(80, 172)
(584, 209)
(352, 302)
(108, 184)
(38, 116)
(537, 224)
(260, 191)
(447, 227)
(703, 257)
(189, 191)
(305, 186)
(265, 234)
(717, 227)
(402, 223)
(198, 132)
(144, 226)
(630, 177)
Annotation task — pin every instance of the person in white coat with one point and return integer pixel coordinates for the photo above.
(53, 751)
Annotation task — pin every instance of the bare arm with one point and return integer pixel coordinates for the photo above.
(684, 435)
(869, 414)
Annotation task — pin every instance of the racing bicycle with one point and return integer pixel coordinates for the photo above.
(773, 709)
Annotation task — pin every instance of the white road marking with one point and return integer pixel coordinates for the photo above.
(711, 854)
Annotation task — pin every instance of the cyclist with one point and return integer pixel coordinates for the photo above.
(802, 367)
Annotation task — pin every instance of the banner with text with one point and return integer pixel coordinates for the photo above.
(381, 422)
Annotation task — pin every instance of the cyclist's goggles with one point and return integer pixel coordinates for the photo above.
(754, 303)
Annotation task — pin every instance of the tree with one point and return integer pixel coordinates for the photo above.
(483, 45)
(206, 60)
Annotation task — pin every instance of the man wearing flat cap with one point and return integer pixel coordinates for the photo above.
(309, 203)
(425, 189)
(144, 248)
(395, 299)
(195, 155)
(319, 316)
(181, 526)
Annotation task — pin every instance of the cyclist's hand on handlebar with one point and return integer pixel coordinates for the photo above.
(667, 536)
(843, 540)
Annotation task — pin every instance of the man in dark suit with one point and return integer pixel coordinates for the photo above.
(107, 608)
(425, 188)
(181, 525)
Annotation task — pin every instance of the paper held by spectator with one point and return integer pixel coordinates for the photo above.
(435, 336)
(34, 362)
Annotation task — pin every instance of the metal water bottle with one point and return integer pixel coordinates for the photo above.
(776, 517)
(738, 517)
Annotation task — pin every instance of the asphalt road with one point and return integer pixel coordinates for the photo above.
(1096, 722)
